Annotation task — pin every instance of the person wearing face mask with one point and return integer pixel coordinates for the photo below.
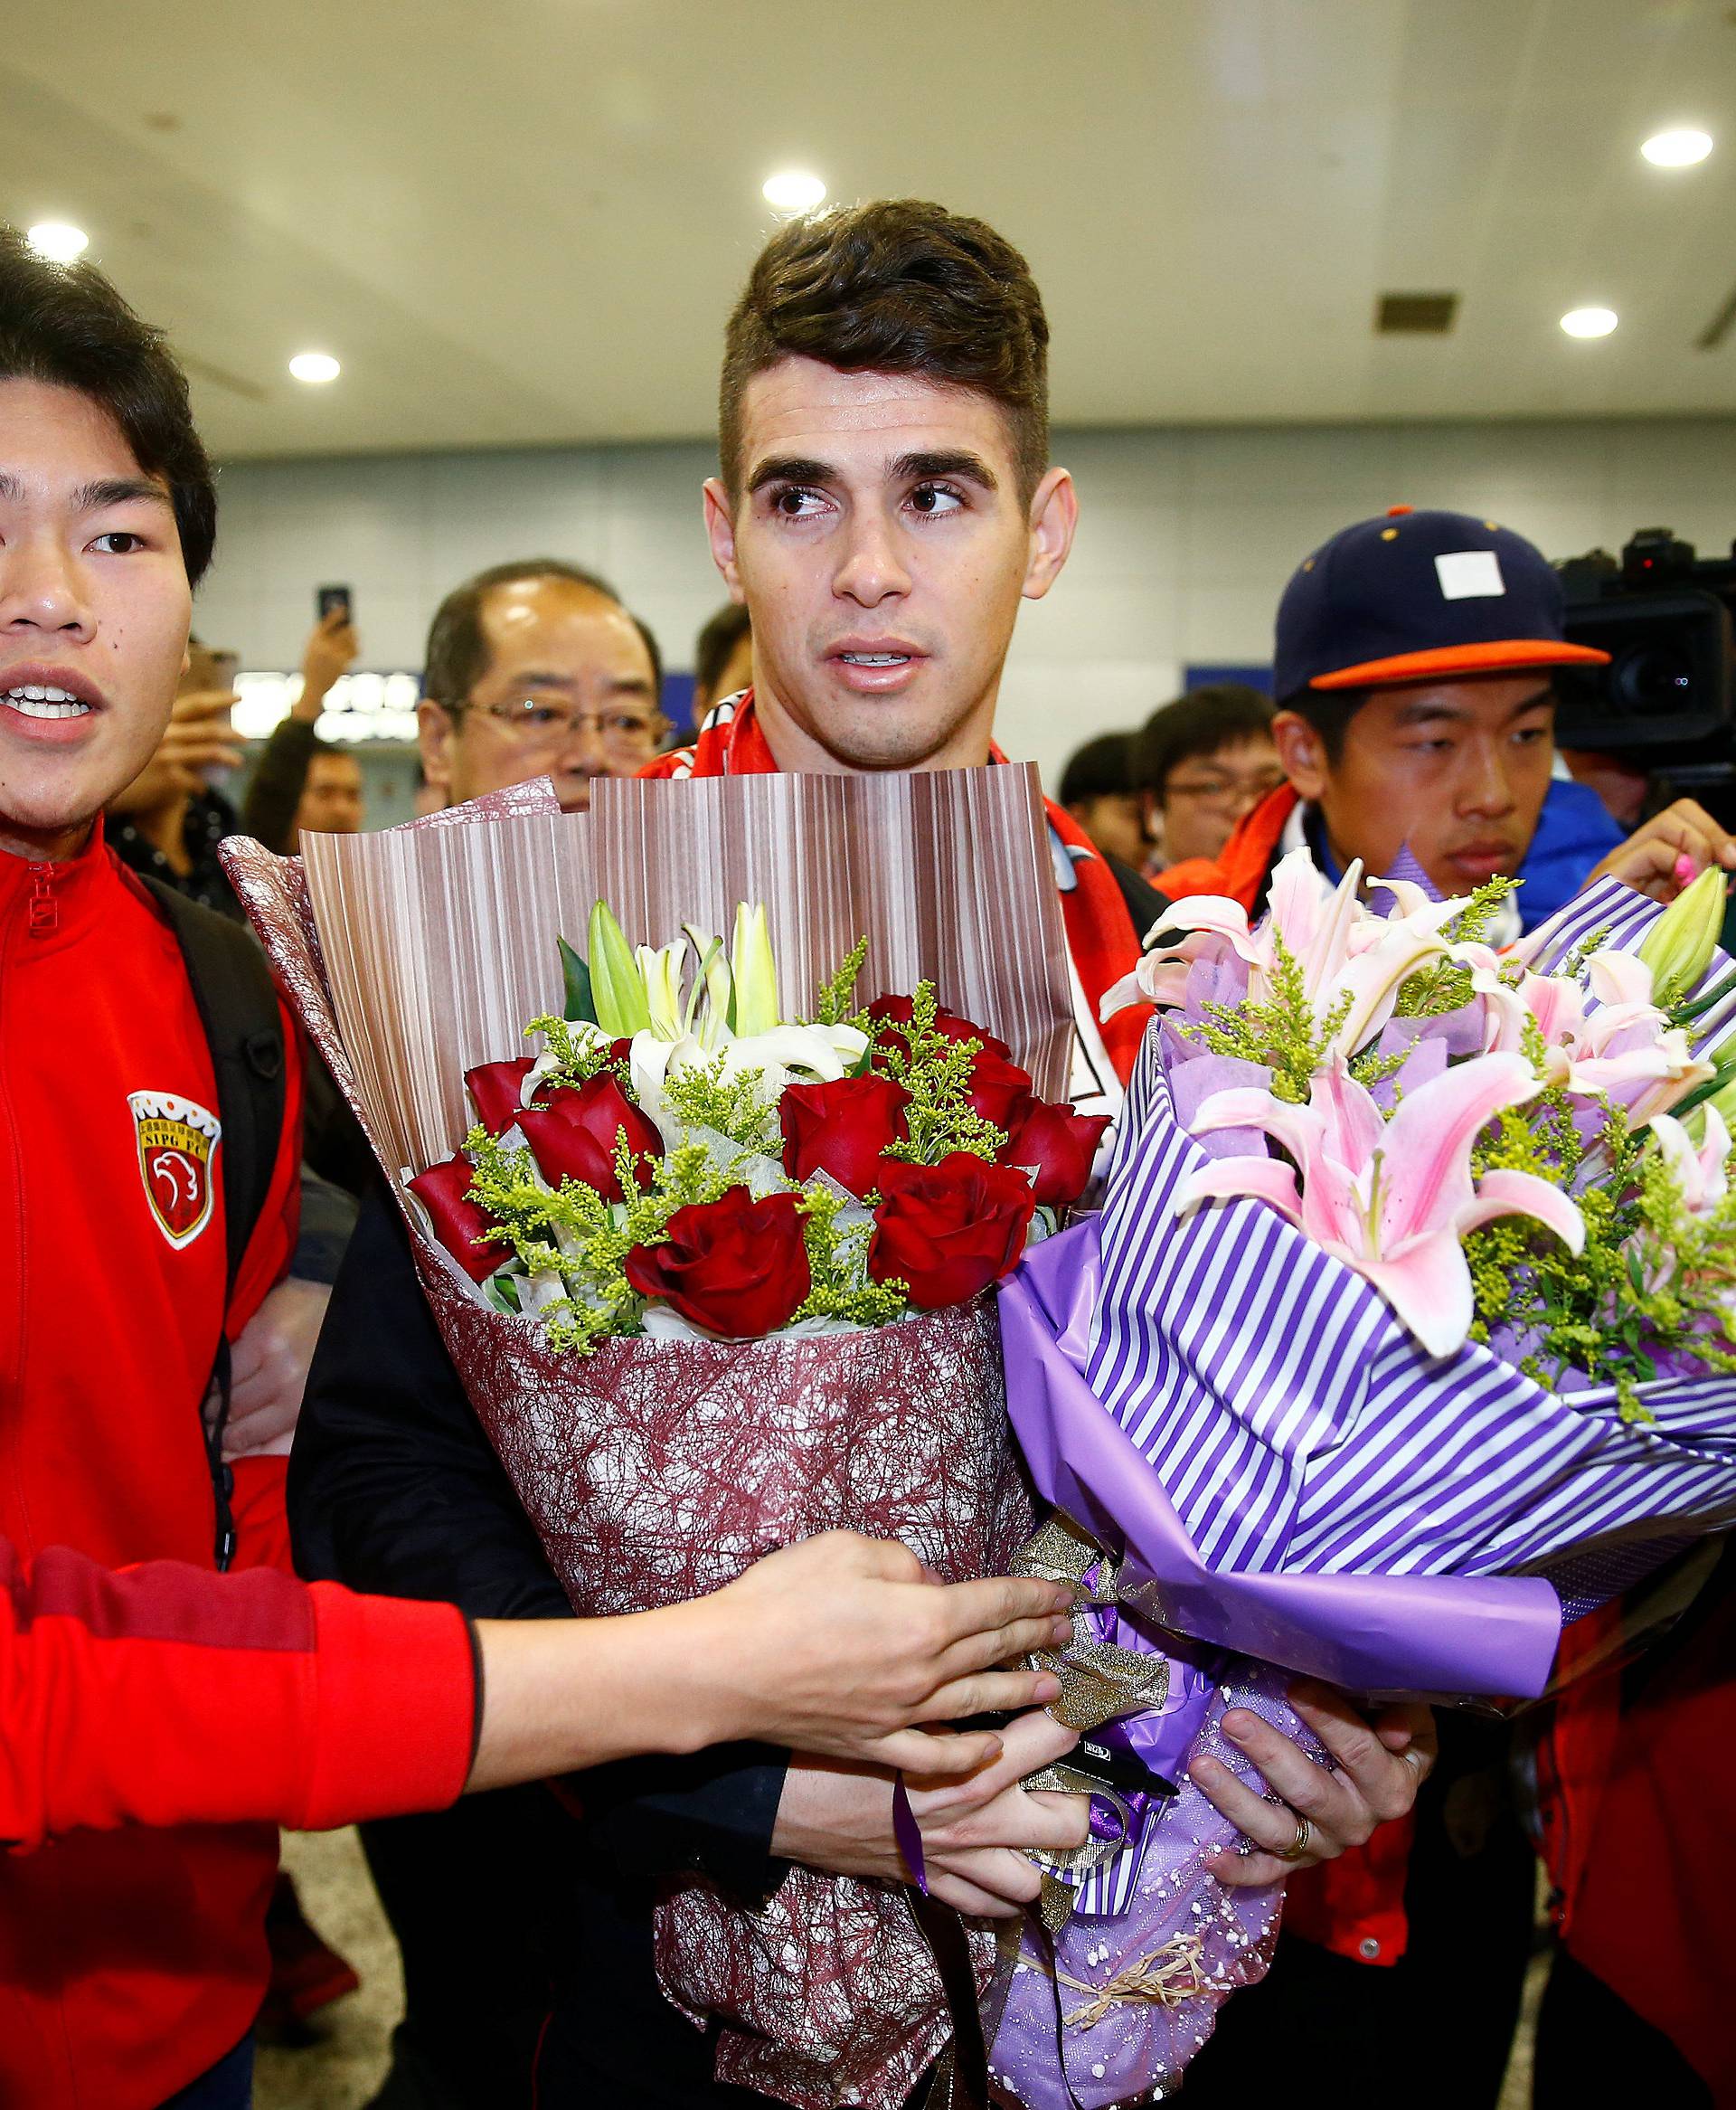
(535, 668)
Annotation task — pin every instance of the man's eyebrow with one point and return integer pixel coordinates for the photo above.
(1423, 711)
(1546, 694)
(118, 491)
(947, 462)
(792, 469)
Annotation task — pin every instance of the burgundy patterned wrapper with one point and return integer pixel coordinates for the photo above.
(657, 1470)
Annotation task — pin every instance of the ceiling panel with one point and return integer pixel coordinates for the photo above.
(526, 224)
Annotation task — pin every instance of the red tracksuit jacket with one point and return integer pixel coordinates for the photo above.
(130, 1960)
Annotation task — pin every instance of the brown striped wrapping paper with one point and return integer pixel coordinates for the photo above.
(440, 942)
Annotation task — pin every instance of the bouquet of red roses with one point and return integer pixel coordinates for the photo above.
(712, 1258)
(680, 1162)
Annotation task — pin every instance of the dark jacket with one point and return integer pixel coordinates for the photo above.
(393, 1488)
(278, 780)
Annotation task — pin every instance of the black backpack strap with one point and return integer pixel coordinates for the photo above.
(238, 1007)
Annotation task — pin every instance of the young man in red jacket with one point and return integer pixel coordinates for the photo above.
(132, 1956)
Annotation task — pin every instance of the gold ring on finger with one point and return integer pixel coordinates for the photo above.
(1298, 1846)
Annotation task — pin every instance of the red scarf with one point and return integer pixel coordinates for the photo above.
(1100, 931)
(1244, 865)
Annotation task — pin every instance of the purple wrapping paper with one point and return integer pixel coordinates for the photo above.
(1369, 1633)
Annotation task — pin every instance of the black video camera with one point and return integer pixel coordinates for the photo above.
(1665, 701)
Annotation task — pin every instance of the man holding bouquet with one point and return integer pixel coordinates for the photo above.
(887, 503)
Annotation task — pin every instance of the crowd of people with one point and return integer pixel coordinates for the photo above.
(238, 1370)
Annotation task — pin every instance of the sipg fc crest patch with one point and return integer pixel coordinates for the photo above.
(177, 1140)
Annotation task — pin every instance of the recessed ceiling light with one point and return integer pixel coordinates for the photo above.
(58, 242)
(315, 366)
(1589, 322)
(1680, 147)
(794, 190)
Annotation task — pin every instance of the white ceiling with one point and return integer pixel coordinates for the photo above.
(524, 224)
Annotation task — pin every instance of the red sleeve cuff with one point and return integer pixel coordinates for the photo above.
(397, 1707)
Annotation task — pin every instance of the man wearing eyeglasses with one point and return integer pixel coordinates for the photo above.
(535, 668)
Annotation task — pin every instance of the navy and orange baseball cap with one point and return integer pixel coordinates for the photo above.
(1420, 597)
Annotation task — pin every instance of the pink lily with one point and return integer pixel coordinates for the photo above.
(1619, 1045)
(1340, 946)
(1701, 1177)
(1391, 1199)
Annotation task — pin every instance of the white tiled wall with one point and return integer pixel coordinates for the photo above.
(1185, 538)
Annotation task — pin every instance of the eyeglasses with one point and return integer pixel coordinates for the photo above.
(1220, 790)
(535, 722)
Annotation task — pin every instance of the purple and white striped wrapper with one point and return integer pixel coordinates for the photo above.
(1288, 1475)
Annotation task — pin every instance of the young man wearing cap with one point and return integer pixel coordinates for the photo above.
(1414, 660)
(1416, 710)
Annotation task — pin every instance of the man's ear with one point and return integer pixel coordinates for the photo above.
(720, 529)
(1303, 753)
(435, 733)
(1055, 516)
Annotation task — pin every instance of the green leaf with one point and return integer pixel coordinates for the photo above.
(618, 988)
(580, 1004)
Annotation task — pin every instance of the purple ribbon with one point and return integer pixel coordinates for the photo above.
(908, 1832)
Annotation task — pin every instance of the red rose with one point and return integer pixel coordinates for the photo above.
(949, 1230)
(897, 1011)
(444, 1191)
(998, 1090)
(736, 1266)
(1061, 1145)
(575, 1132)
(619, 1051)
(842, 1128)
(494, 1089)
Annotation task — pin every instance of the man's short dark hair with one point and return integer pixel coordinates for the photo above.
(648, 639)
(896, 286)
(1099, 769)
(457, 652)
(715, 646)
(1329, 712)
(1221, 713)
(65, 325)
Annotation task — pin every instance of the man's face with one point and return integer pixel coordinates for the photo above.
(1205, 795)
(883, 550)
(568, 693)
(1458, 770)
(1115, 823)
(94, 609)
(331, 798)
